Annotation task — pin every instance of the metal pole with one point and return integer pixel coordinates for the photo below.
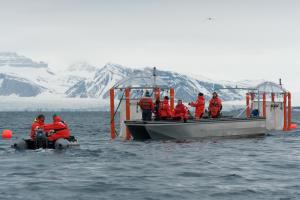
(284, 113)
(172, 97)
(127, 97)
(248, 105)
(154, 76)
(112, 113)
(264, 105)
(289, 111)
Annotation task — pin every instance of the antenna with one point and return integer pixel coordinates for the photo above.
(280, 83)
(154, 76)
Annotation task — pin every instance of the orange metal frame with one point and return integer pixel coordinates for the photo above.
(127, 98)
(248, 109)
(284, 112)
(264, 105)
(289, 120)
(112, 113)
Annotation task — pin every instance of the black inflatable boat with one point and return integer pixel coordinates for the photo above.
(41, 142)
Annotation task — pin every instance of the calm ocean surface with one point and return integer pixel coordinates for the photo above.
(260, 168)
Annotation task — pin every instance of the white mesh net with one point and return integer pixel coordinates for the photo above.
(274, 114)
(135, 114)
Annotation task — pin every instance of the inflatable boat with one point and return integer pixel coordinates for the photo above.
(41, 142)
(197, 129)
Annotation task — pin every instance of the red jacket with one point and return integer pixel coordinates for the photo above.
(200, 106)
(146, 103)
(35, 125)
(164, 109)
(59, 127)
(215, 106)
(181, 112)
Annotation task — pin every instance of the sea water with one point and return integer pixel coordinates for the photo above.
(257, 168)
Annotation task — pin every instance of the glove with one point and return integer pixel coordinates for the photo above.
(50, 133)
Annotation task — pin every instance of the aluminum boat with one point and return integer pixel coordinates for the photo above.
(197, 129)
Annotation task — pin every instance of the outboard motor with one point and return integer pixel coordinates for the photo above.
(41, 140)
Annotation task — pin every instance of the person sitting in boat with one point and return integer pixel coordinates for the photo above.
(57, 130)
(164, 111)
(180, 111)
(215, 106)
(38, 123)
(147, 106)
(199, 106)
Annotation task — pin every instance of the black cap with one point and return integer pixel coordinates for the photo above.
(166, 97)
(200, 94)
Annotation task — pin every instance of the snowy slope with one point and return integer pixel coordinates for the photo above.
(99, 85)
(32, 82)
(187, 87)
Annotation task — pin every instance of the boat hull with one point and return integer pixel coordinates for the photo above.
(230, 127)
(29, 144)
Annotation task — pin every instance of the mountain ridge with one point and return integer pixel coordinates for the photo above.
(85, 81)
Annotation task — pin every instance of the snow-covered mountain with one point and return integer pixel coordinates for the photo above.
(22, 77)
(187, 87)
(14, 60)
(99, 85)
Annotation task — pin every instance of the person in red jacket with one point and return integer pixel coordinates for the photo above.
(57, 130)
(37, 124)
(164, 110)
(180, 111)
(147, 106)
(215, 106)
(199, 105)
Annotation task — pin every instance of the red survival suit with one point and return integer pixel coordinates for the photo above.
(59, 127)
(147, 107)
(164, 111)
(200, 107)
(215, 107)
(180, 112)
(35, 125)
(146, 103)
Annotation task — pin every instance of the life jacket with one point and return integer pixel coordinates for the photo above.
(164, 109)
(181, 112)
(60, 128)
(36, 124)
(146, 103)
(200, 106)
(215, 106)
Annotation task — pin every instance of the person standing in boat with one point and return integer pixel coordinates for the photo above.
(37, 124)
(215, 106)
(57, 130)
(156, 108)
(199, 106)
(164, 111)
(180, 111)
(147, 106)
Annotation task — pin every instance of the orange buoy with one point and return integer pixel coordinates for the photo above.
(293, 126)
(7, 134)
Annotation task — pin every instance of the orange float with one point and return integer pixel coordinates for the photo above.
(7, 134)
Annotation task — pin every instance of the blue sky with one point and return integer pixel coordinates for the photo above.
(227, 40)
